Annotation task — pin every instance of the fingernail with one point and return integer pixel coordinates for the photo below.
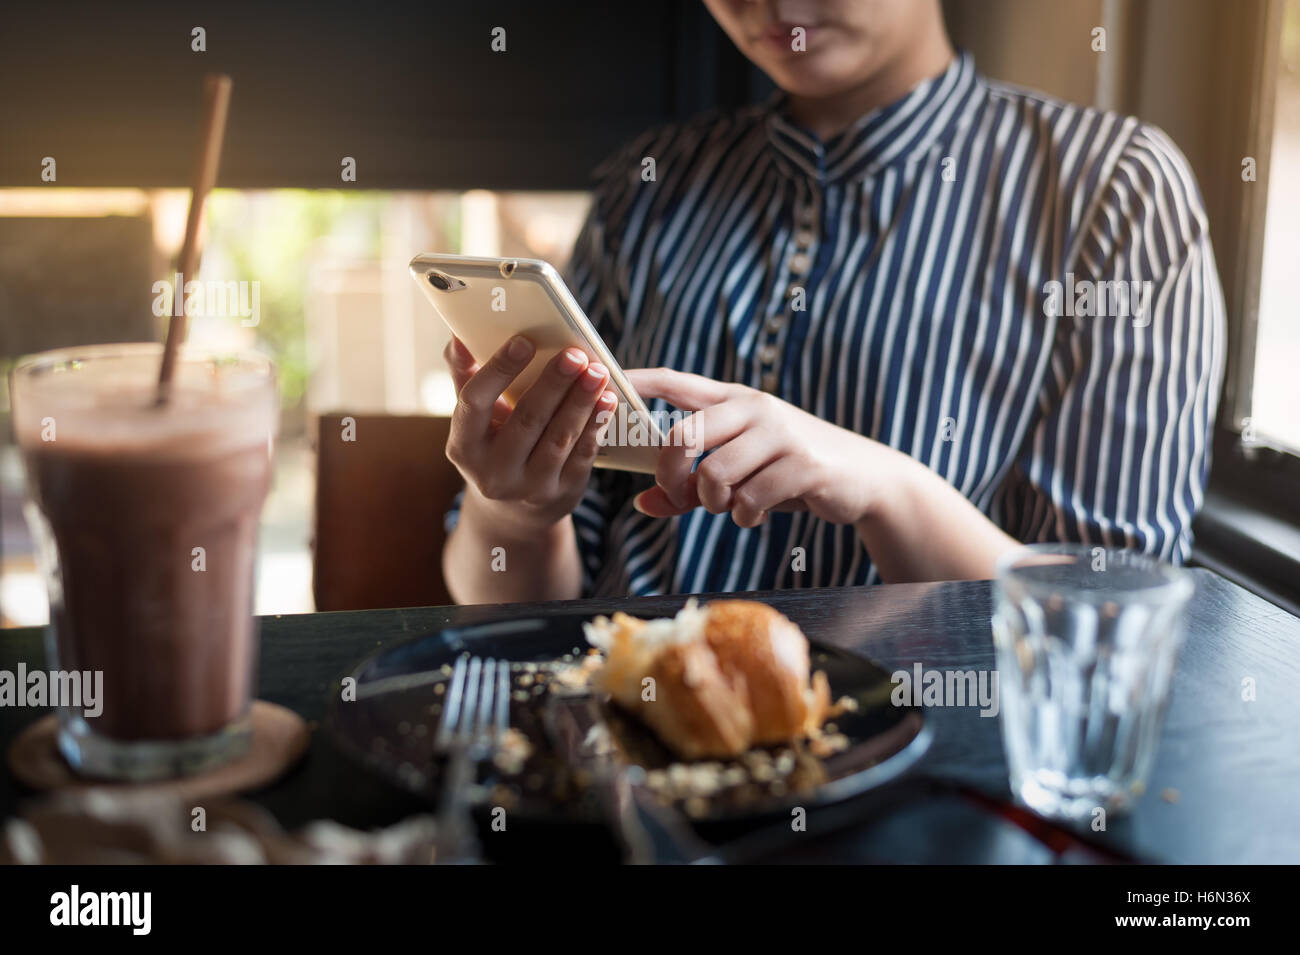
(520, 348)
(636, 503)
(607, 400)
(570, 362)
(595, 377)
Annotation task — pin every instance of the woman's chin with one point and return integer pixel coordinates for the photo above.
(814, 78)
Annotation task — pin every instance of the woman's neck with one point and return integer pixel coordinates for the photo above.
(829, 115)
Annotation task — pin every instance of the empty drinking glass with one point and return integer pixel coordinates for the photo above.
(1086, 640)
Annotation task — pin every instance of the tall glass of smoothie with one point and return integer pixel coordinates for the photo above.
(146, 518)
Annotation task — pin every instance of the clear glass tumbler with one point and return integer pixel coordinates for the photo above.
(1086, 641)
(146, 519)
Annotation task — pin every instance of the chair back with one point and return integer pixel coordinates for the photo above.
(383, 485)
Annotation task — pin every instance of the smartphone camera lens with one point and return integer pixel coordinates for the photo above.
(439, 281)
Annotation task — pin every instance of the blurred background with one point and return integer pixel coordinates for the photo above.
(347, 327)
(460, 149)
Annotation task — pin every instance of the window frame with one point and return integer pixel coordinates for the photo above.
(1249, 528)
(1264, 58)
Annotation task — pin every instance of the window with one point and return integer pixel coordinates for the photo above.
(1275, 397)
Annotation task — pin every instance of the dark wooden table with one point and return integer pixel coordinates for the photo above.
(1223, 790)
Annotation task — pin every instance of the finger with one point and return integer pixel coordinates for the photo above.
(534, 410)
(776, 485)
(458, 355)
(655, 503)
(478, 396)
(500, 413)
(460, 363)
(685, 391)
(692, 437)
(729, 466)
(463, 367)
(790, 506)
(583, 456)
(567, 423)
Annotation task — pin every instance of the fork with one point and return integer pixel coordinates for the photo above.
(475, 716)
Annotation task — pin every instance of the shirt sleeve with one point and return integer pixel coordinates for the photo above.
(1120, 453)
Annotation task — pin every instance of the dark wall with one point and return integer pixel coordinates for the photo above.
(411, 90)
(66, 281)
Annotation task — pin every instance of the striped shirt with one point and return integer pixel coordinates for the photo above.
(1018, 292)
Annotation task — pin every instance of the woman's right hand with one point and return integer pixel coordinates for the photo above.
(530, 463)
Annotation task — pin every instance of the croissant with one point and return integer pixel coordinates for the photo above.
(715, 680)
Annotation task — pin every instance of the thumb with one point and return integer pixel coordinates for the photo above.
(654, 502)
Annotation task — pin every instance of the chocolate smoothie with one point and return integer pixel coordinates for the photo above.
(152, 516)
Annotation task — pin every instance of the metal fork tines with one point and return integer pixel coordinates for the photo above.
(476, 708)
(475, 717)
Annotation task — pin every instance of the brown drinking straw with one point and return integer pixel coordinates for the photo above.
(216, 102)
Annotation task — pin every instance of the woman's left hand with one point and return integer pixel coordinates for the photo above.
(766, 455)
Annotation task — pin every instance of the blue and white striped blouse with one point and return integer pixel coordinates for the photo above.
(897, 281)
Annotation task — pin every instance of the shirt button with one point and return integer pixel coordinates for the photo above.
(803, 238)
(768, 354)
(800, 263)
(770, 383)
(775, 323)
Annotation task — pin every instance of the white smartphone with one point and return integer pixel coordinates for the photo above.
(487, 301)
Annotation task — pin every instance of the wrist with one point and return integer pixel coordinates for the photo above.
(510, 520)
(893, 475)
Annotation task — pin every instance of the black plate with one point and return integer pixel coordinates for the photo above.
(391, 723)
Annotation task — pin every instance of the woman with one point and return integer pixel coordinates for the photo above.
(920, 316)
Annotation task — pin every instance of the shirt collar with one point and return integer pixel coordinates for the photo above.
(902, 129)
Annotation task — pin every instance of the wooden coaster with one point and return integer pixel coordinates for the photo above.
(280, 737)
